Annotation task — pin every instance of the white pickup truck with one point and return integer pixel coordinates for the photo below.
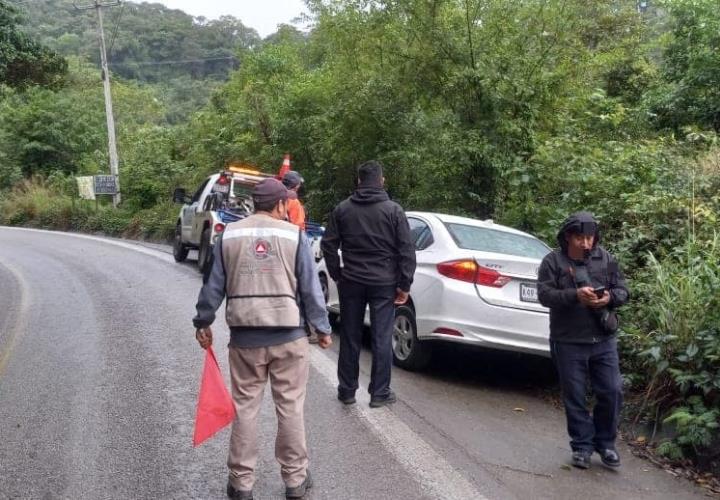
(222, 198)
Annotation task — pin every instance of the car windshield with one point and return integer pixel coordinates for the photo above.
(491, 240)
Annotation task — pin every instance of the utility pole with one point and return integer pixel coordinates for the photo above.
(112, 144)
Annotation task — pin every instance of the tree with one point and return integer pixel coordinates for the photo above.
(691, 67)
(23, 61)
(44, 131)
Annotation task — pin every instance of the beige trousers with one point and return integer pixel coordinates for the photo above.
(287, 366)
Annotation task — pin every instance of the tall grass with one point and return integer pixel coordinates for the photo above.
(674, 343)
(36, 203)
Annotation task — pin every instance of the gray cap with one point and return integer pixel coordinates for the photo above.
(269, 191)
(292, 179)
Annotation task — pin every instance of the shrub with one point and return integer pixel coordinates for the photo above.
(674, 339)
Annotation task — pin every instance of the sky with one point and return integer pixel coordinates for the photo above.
(263, 15)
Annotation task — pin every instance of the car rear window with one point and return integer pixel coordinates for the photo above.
(490, 240)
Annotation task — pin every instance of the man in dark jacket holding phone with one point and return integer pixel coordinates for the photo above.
(582, 285)
(378, 263)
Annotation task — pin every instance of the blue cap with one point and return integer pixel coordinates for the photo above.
(292, 179)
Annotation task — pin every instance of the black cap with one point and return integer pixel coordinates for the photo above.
(269, 191)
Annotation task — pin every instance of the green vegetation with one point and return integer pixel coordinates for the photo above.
(521, 110)
(22, 60)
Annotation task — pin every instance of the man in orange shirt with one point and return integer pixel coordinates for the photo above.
(295, 210)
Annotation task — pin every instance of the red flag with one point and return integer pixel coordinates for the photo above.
(285, 168)
(215, 407)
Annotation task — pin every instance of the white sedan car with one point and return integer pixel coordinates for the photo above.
(475, 284)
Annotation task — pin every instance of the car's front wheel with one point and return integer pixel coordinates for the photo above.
(180, 251)
(408, 352)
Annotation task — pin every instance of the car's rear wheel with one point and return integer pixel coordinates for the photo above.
(204, 251)
(408, 352)
(180, 251)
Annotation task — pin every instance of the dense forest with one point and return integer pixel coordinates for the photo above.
(146, 42)
(184, 57)
(518, 110)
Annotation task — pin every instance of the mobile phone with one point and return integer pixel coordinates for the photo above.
(599, 292)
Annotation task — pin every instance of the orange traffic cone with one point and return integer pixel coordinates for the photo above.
(285, 168)
(215, 408)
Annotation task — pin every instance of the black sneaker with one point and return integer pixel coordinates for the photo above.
(581, 459)
(346, 400)
(609, 457)
(378, 402)
(238, 494)
(299, 491)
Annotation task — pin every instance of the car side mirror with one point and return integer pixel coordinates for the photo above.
(179, 196)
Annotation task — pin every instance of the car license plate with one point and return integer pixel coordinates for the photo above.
(221, 188)
(528, 292)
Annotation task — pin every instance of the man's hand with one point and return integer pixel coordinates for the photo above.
(587, 297)
(400, 297)
(602, 301)
(204, 337)
(324, 341)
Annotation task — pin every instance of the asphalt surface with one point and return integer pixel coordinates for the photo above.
(99, 372)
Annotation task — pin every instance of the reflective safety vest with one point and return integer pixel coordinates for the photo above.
(296, 212)
(259, 255)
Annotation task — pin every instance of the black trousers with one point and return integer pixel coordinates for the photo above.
(354, 297)
(576, 363)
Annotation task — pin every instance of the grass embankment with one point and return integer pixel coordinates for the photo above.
(34, 204)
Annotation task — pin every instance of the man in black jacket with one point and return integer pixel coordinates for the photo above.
(582, 285)
(378, 263)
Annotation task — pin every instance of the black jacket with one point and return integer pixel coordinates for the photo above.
(559, 277)
(373, 234)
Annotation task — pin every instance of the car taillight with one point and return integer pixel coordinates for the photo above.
(219, 228)
(463, 270)
(490, 277)
(471, 272)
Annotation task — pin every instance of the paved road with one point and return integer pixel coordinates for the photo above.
(99, 371)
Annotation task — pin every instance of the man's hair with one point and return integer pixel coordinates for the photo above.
(370, 172)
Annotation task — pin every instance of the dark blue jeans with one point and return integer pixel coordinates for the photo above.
(353, 299)
(576, 363)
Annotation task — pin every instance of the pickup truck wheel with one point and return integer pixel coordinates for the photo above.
(180, 251)
(204, 251)
(333, 317)
(408, 352)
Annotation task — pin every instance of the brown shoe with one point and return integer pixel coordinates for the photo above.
(238, 494)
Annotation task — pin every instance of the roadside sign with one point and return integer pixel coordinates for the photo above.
(86, 187)
(105, 184)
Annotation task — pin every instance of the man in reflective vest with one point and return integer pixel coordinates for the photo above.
(296, 212)
(265, 271)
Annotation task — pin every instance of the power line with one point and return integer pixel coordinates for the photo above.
(180, 61)
(117, 26)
